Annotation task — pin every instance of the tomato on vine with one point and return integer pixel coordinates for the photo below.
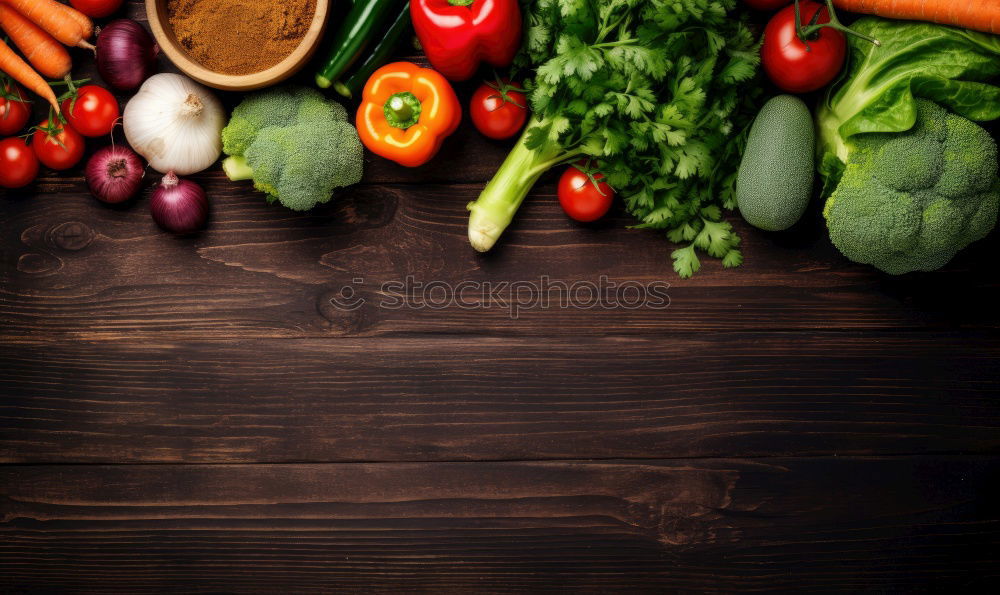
(804, 46)
(583, 194)
(57, 145)
(91, 110)
(18, 165)
(15, 109)
(499, 110)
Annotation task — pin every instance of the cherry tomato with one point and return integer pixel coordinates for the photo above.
(96, 9)
(18, 165)
(57, 145)
(498, 110)
(786, 59)
(766, 4)
(14, 109)
(580, 198)
(94, 113)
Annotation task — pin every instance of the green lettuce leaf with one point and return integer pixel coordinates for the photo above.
(946, 65)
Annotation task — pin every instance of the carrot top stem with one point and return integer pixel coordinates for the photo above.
(807, 31)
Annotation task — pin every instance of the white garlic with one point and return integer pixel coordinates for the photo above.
(175, 123)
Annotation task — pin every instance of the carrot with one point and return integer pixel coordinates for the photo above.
(17, 68)
(79, 17)
(980, 15)
(56, 19)
(46, 54)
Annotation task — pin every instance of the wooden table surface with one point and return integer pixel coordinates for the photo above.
(197, 414)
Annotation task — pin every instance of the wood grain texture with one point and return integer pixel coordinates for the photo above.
(463, 398)
(817, 524)
(75, 269)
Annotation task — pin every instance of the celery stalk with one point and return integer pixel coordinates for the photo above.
(493, 211)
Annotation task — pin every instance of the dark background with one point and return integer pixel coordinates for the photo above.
(192, 414)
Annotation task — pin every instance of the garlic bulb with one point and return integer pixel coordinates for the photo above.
(175, 123)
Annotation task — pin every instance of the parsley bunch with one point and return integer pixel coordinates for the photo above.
(658, 92)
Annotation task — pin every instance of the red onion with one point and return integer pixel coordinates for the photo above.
(114, 174)
(179, 205)
(126, 54)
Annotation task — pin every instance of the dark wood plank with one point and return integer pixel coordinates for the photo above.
(465, 398)
(806, 524)
(76, 269)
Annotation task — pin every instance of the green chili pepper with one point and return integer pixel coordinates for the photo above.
(362, 24)
(352, 84)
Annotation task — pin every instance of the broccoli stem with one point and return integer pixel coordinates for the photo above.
(237, 168)
(493, 211)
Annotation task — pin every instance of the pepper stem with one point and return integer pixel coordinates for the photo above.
(806, 31)
(461, 2)
(402, 110)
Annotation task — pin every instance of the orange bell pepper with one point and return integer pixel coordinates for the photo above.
(406, 113)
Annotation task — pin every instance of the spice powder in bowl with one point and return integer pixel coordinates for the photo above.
(240, 36)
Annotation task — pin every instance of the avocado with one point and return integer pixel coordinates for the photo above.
(775, 179)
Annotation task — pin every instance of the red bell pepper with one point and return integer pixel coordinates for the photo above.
(458, 34)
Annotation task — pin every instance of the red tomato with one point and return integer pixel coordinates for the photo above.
(94, 113)
(497, 110)
(14, 109)
(18, 165)
(580, 198)
(790, 64)
(96, 8)
(766, 4)
(57, 145)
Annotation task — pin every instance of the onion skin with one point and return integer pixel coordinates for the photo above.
(114, 174)
(179, 205)
(126, 54)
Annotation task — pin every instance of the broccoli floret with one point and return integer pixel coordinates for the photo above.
(296, 145)
(970, 159)
(910, 201)
(294, 164)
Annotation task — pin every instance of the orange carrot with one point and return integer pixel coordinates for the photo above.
(79, 17)
(17, 68)
(980, 15)
(46, 54)
(56, 19)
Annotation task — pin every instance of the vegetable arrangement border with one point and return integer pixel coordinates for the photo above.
(657, 102)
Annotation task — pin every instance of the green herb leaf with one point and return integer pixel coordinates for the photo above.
(660, 94)
(686, 261)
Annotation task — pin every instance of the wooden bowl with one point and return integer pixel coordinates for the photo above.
(156, 12)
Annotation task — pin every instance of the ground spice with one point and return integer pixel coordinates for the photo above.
(240, 36)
